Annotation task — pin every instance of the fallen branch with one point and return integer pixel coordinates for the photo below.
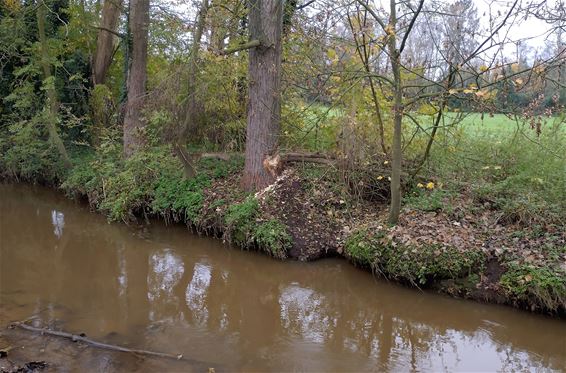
(79, 338)
(307, 157)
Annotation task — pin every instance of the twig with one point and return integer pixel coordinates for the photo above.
(78, 338)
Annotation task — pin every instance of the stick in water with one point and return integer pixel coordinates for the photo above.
(90, 342)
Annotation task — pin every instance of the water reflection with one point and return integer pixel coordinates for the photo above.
(303, 313)
(195, 295)
(58, 221)
(166, 269)
(175, 292)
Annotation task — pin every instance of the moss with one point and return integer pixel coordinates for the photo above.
(541, 288)
(272, 236)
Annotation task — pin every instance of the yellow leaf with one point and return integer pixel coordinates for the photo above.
(483, 68)
(430, 185)
(331, 53)
(389, 30)
(453, 91)
(419, 185)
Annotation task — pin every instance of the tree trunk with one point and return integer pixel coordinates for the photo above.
(264, 109)
(190, 115)
(105, 40)
(52, 101)
(397, 151)
(561, 51)
(137, 78)
(189, 123)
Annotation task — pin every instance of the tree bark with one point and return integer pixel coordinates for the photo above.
(397, 151)
(52, 100)
(264, 109)
(137, 78)
(105, 40)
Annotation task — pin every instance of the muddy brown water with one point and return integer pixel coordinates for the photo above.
(164, 289)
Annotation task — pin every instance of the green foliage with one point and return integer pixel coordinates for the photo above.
(27, 154)
(240, 220)
(539, 287)
(179, 197)
(416, 265)
(102, 110)
(423, 264)
(434, 200)
(362, 248)
(272, 237)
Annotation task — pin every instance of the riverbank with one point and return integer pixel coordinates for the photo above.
(452, 243)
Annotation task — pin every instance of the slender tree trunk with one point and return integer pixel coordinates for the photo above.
(105, 40)
(137, 77)
(52, 101)
(192, 104)
(264, 109)
(397, 151)
(364, 54)
(561, 51)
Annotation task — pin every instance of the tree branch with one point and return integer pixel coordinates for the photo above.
(249, 45)
(406, 36)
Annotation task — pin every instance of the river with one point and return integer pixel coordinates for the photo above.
(164, 289)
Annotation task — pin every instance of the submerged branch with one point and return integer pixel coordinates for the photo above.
(79, 338)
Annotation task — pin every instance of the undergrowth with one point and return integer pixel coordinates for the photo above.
(415, 265)
(538, 287)
(519, 175)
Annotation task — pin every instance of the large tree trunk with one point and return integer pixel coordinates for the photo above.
(397, 151)
(133, 124)
(52, 101)
(106, 40)
(264, 109)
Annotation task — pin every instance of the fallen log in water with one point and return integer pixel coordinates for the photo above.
(90, 342)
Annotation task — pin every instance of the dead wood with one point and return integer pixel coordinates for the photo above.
(90, 342)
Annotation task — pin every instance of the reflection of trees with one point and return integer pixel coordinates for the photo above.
(196, 293)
